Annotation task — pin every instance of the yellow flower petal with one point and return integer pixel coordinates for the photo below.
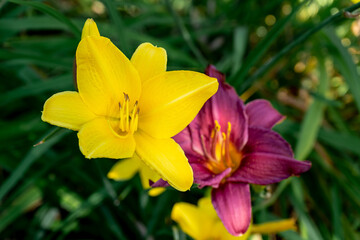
(146, 174)
(172, 100)
(104, 74)
(167, 158)
(149, 61)
(98, 140)
(153, 192)
(192, 220)
(219, 232)
(275, 226)
(66, 109)
(90, 29)
(125, 169)
(206, 206)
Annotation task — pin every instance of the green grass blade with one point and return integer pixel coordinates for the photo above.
(344, 63)
(111, 222)
(52, 12)
(240, 40)
(313, 117)
(302, 37)
(257, 53)
(32, 155)
(63, 82)
(186, 35)
(119, 27)
(25, 201)
(341, 141)
(336, 213)
(307, 226)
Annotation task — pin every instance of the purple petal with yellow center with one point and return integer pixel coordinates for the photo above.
(261, 114)
(267, 168)
(262, 140)
(232, 203)
(204, 177)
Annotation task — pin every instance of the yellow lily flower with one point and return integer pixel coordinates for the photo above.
(125, 106)
(201, 222)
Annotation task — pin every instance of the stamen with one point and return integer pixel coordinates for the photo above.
(122, 127)
(127, 122)
(206, 153)
(227, 145)
(214, 140)
(136, 120)
(134, 117)
(223, 150)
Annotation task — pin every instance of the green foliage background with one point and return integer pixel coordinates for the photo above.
(303, 56)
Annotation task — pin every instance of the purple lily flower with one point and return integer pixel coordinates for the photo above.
(231, 145)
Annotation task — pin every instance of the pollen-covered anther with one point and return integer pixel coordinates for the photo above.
(128, 118)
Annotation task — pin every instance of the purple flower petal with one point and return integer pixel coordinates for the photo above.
(265, 168)
(211, 71)
(159, 183)
(262, 114)
(232, 203)
(228, 107)
(200, 126)
(262, 140)
(204, 177)
(183, 138)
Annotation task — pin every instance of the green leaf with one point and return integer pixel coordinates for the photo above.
(32, 155)
(240, 40)
(237, 79)
(307, 226)
(52, 12)
(341, 141)
(28, 199)
(63, 82)
(313, 117)
(344, 63)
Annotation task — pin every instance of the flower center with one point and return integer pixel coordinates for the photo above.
(221, 153)
(127, 122)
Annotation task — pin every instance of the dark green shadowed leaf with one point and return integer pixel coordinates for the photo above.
(237, 79)
(313, 117)
(344, 63)
(52, 12)
(32, 155)
(27, 200)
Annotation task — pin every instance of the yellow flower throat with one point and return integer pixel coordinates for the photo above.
(221, 153)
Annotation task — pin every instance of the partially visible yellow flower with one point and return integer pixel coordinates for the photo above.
(123, 106)
(126, 169)
(201, 222)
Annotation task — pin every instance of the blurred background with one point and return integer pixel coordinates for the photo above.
(303, 56)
